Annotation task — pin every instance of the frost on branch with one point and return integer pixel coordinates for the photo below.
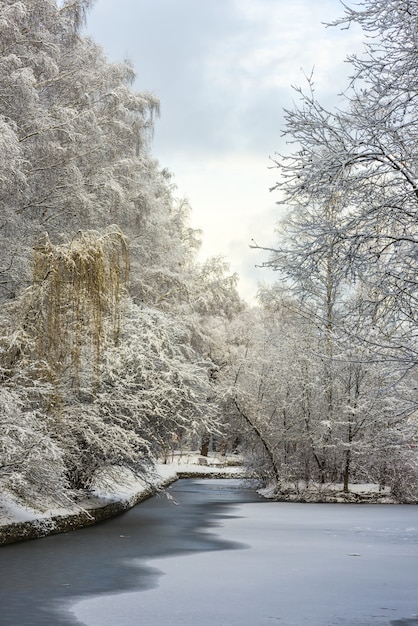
(31, 462)
(346, 256)
(157, 380)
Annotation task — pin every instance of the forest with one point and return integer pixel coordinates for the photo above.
(115, 340)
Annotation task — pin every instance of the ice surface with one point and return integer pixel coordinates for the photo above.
(298, 564)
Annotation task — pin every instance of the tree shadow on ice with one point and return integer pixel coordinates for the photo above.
(39, 578)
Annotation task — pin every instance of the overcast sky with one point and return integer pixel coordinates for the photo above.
(223, 71)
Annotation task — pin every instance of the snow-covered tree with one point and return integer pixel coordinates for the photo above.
(277, 397)
(105, 339)
(364, 155)
(350, 237)
(77, 134)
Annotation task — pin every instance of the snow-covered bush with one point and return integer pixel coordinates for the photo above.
(31, 462)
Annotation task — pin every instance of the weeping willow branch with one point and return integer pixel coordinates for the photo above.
(78, 289)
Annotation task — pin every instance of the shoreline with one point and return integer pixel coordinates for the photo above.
(100, 505)
(112, 499)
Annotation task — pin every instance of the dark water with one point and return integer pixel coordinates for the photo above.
(39, 578)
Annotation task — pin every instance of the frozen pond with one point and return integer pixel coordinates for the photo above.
(221, 557)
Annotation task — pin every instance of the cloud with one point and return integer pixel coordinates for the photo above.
(223, 71)
(233, 206)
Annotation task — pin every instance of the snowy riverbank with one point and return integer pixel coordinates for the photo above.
(111, 496)
(361, 493)
(19, 522)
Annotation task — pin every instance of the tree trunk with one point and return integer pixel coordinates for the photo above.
(204, 448)
(348, 459)
(347, 469)
(263, 442)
